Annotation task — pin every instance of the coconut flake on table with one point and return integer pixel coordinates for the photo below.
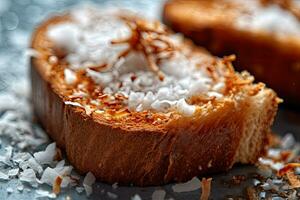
(87, 41)
(50, 174)
(47, 156)
(274, 165)
(6, 158)
(3, 176)
(29, 176)
(115, 185)
(20, 187)
(79, 189)
(44, 193)
(15, 125)
(32, 164)
(288, 141)
(136, 197)
(193, 184)
(13, 172)
(273, 153)
(112, 195)
(88, 182)
(9, 190)
(158, 195)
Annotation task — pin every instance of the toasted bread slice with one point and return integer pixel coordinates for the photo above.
(263, 34)
(197, 116)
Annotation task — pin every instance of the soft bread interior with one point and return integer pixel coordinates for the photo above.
(260, 115)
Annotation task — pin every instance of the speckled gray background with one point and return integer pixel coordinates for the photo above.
(17, 20)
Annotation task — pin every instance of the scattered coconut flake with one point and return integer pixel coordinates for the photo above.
(20, 187)
(262, 195)
(79, 189)
(50, 175)
(256, 182)
(88, 110)
(44, 193)
(115, 185)
(88, 182)
(47, 156)
(274, 165)
(9, 190)
(53, 60)
(191, 185)
(13, 172)
(7, 156)
(3, 176)
(184, 108)
(60, 164)
(32, 164)
(136, 197)
(112, 195)
(21, 157)
(28, 175)
(73, 103)
(273, 153)
(70, 76)
(158, 195)
(64, 170)
(287, 141)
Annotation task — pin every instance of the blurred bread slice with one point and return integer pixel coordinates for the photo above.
(264, 35)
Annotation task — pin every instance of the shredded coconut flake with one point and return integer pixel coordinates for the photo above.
(191, 185)
(47, 156)
(3, 176)
(114, 186)
(9, 190)
(79, 189)
(288, 141)
(44, 193)
(7, 156)
(13, 172)
(28, 175)
(20, 187)
(158, 195)
(136, 197)
(73, 103)
(88, 182)
(70, 76)
(112, 195)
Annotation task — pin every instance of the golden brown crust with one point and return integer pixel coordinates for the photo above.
(273, 60)
(210, 141)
